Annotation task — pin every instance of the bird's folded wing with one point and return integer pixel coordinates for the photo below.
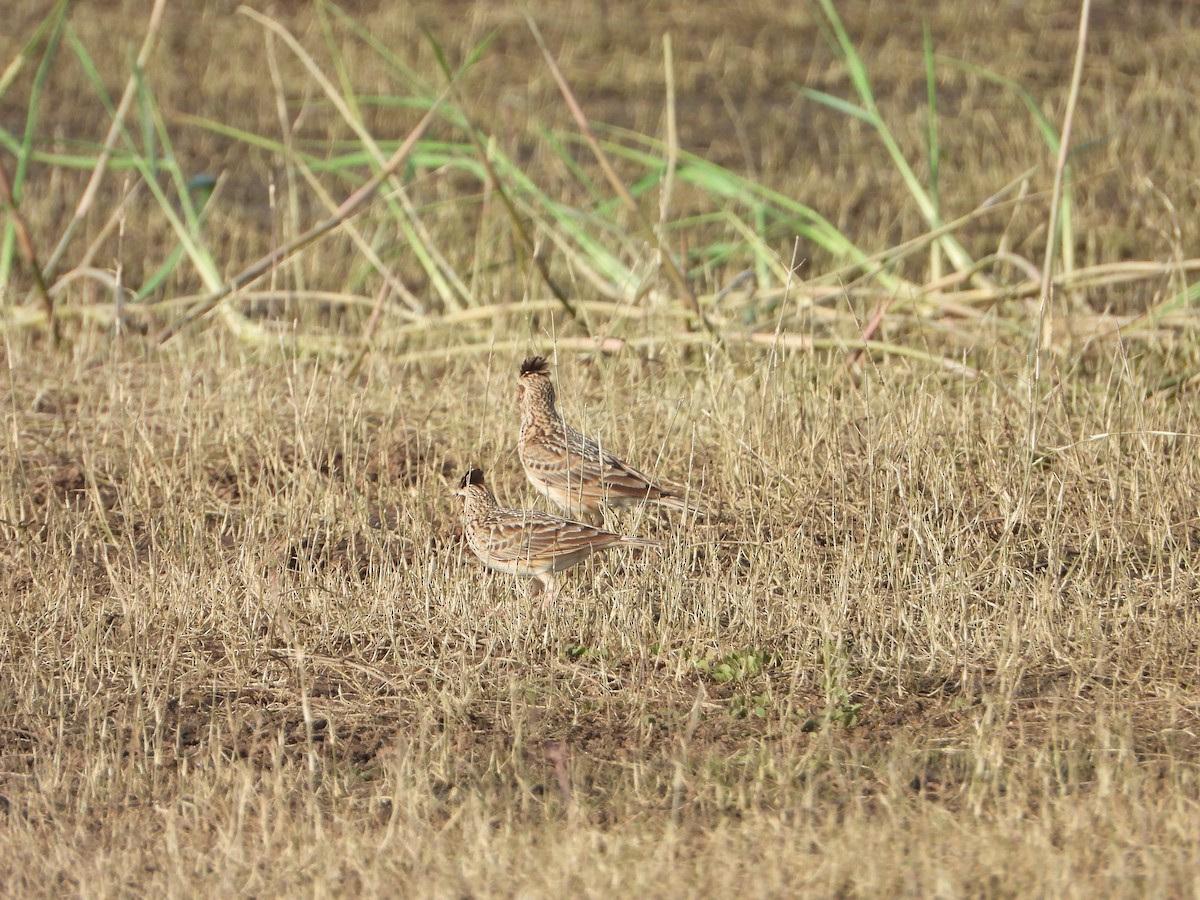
(535, 536)
(580, 466)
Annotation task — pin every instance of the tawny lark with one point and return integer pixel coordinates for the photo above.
(528, 543)
(570, 468)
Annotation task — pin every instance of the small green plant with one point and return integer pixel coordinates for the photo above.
(581, 653)
(736, 667)
(745, 706)
(841, 710)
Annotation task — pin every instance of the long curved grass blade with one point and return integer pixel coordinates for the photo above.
(199, 191)
(518, 226)
(1045, 127)
(8, 243)
(869, 112)
(585, 128)
(837, 104)
(348, 207)
(49, 23)
(933, 149)
(442, 276)
(87, 198)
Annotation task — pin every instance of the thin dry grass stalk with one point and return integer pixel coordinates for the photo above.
(444, 277)
(416, 308)
(1045, 309)
(348, 207)
(88, 197)
(497, 185)
(25, 244)
(614, 180)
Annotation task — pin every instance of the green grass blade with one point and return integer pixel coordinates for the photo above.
(1049, 132)
(146, 121)
(443, 278)
(93, 74)
(838, 104)
(47, 26)
(24, 152)
(1045, 127)
(859, 77)
(12, 144)
(781, 211)
(349, 95)
(582, 177)
(411, 81)
(199, 191)
(155, 127)
(933, 149)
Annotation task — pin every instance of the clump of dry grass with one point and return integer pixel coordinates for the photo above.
(242, 648)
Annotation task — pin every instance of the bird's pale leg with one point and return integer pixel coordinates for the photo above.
(549, 597)
(545, 587)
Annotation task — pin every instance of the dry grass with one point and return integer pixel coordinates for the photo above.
(886, 673)
(243, 649)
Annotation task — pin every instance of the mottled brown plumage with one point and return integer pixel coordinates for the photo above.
(527, 543)
(570, 468)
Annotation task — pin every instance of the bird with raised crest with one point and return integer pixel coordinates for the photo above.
(573, 471)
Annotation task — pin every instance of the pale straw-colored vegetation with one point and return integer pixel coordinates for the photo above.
(267, 280)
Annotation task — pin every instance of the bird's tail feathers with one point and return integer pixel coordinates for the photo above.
(673, 500)
(640, 542)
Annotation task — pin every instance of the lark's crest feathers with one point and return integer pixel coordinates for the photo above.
(473, 476)
(535, 365)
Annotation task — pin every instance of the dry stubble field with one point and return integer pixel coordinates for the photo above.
(243, 651)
